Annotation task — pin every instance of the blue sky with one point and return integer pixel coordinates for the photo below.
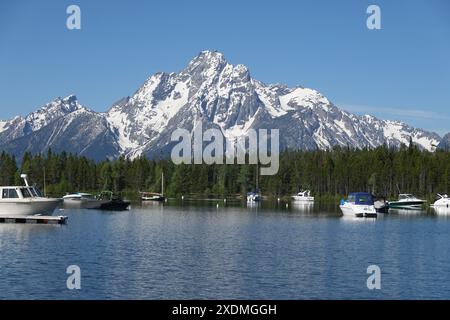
(400, 72)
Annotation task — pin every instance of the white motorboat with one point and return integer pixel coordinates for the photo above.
(83, 201)
(442, 201)
(303, 196)
(407, 201)
(25, 201)
(358, 204)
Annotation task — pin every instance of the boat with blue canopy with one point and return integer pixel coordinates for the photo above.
(358, 204)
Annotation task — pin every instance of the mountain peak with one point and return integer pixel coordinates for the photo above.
(53, 110)
(210, 55)
(70, 98)
(206, 63)
(65, 105)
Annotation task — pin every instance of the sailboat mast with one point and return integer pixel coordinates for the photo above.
(257, 186)
(45, 192)
(162, 182)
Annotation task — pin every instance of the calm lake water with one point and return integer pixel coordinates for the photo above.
(195, 251)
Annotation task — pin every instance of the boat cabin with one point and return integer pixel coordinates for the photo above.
(362, 198)
(305, 193)
(16, 192)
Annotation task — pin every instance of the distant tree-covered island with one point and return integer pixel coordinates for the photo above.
(327, 173)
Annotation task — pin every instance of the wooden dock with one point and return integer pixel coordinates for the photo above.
(34, 219)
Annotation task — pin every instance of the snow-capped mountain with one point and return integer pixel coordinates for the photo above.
(222, 95)
(18, 127)
(63, 124)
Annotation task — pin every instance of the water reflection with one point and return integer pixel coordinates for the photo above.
(253, 204)
(441, 211)
(407, 212)
(347, 218)
(306, 207)
(152, 204)
(198, 251)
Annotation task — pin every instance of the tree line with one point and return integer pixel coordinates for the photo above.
(327, 173)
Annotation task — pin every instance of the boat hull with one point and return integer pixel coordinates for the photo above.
(412, 205)
(358, 210)
(155, 198)
(302, 199)
(115, 205)
(442, 203)
(84, 203)
(29, 207)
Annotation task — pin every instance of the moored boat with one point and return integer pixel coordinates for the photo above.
(83, 201)
(152, 196)
(253, 197)
(358, 204)
(303, 196)
(25, 201)
(442, 201)
(407, 201)
(113, 203)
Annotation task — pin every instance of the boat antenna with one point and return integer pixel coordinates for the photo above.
(24, 177)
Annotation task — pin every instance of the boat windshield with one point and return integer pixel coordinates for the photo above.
(405, 196)
(26, 193)
(360, 198)
(364, 199)
(37, 192)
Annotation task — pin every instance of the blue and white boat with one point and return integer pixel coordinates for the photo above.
(358, 204)
(253, 197)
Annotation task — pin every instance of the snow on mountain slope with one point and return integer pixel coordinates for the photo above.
(21, 126)
(223, 96)
(147, 112)
(82, 132)
(3, 125)
(52, 111)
